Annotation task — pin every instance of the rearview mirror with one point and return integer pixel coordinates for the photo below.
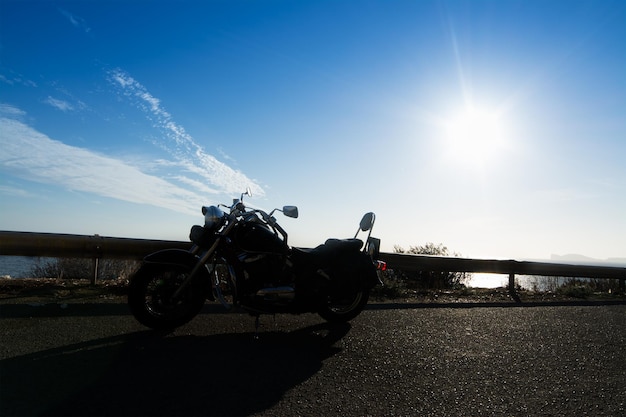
(291, 211)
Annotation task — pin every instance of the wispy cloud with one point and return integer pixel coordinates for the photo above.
(200, 170)
(59, 104)
(224, 155)
(11, 111)
(76, 21)
(31, 155)
(6, 80)
(13, 79)
(182, 182)
(14, 191)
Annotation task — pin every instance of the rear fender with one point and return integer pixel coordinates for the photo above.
(182, 258)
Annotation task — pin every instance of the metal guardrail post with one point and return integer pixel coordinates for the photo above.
(94, 271)
(511, 283)
(512, 291)
(97, 251)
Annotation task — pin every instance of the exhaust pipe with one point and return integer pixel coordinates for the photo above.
(277, 293)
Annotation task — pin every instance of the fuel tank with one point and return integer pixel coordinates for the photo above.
(258, 238)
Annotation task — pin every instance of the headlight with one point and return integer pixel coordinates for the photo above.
(213, 217)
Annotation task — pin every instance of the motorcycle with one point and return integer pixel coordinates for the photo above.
(242, 259)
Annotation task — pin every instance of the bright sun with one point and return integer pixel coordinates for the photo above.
(474, 136)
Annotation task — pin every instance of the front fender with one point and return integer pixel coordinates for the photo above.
(180, 258)
(172, 257)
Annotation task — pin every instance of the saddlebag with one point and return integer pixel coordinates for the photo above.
(352, 271)
(345, 267)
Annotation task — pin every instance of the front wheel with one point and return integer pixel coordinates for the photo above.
(345, 308)
(150, 296)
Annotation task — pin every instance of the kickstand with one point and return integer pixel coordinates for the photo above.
(257, 324)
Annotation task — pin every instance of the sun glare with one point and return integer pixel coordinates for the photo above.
(474, 136)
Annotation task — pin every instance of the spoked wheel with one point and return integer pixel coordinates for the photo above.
(151, 296)
(344, 308)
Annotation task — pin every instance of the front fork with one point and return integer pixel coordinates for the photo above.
(183, 286)
(230, 282)
(203, 261)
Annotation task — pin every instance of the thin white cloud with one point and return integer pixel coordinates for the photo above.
(224, 155)
(17, 79)
(6, 80)
(31, 155)
(14, 191)
(188, 154)
(199, 186)
(77, 21)
(11, 111)
(59, 104)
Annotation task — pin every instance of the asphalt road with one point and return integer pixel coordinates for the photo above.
(394, 359)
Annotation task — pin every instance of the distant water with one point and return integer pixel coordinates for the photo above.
(527, 282)
(479, 280)
(19, 266)
(482, 280)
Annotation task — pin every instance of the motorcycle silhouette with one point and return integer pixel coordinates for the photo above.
(241, 258)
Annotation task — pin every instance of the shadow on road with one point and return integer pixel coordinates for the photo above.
(491, 304)
(112, 309)
(56, 309)
(147, 373)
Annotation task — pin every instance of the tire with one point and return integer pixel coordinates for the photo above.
(150, 293)
(344, 309)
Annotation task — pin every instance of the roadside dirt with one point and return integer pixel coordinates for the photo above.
(49, 290)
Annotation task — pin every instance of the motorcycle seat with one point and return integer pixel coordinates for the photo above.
(327, 252)
(343, 244)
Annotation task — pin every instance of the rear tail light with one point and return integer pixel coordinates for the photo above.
(380, 265)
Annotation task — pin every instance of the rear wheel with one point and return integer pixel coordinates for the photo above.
(344, 308)
(151, 292)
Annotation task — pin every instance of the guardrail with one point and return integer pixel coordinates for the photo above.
(98, 247)
(94, 247)
(505, 267)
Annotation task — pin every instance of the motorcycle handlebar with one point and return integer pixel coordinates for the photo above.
(269, 219)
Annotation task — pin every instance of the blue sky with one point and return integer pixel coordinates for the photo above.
(497, 128)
